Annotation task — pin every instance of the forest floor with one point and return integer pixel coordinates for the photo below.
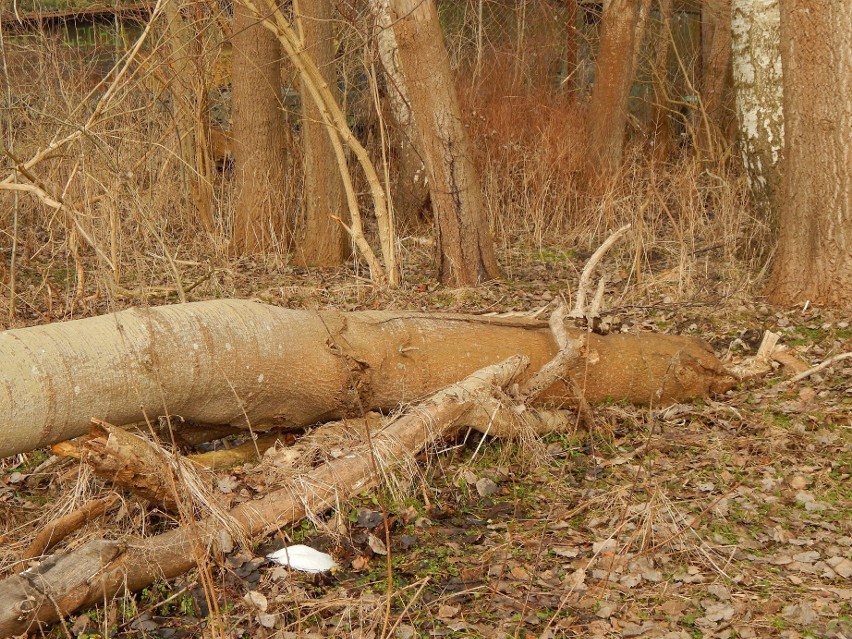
(727, 517)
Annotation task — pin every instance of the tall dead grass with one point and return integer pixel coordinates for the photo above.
(693, 223)
(691, 219)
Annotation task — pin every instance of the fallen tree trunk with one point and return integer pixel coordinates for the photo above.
(235, 361)
(100, 569)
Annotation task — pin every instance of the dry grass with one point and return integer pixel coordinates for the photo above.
(691, 220)
(693, 230)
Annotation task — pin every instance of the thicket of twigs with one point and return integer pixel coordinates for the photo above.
(126, 214)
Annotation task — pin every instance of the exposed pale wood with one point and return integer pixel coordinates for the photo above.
(228, 457)
(790, 361)
(126, 460)
(761, 363)
(816, 369)
(585, 283)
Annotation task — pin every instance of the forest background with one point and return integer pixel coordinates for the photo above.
(192, 167)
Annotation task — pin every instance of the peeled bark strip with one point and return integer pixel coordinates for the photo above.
(100, 569)
(59, 529)
(222, 361)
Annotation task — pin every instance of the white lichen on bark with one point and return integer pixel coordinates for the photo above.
(756, 60)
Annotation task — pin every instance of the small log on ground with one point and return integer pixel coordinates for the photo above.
(60, 528)
(229, 361)
(100, 569)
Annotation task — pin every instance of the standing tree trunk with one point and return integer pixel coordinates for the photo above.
(572, 50)
(756, 59)
(465, 248)
(715, 75)
(814, 257)
(411, 188)
(258, 133)
(661, 128)
(613, 79)
(326, 242)
(188, 88)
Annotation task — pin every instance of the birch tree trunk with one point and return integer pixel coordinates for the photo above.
(814, 257)
(465, 248)
(756, 60)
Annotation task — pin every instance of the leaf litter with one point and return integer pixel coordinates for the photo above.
(723, 518)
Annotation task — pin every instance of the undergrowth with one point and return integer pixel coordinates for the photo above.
(132, 234)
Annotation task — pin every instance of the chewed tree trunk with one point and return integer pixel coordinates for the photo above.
(260, 223)
(465, 248)
(814, 257)
(228, 361)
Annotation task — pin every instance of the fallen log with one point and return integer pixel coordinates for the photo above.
(238, 362)
(59, 529)
(99, 569)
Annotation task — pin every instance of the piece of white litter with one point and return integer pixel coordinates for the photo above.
(304, 558)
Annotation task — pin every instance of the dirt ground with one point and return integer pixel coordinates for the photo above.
(727, 517)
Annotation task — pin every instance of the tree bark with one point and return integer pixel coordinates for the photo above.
(613, 78)
(661, 129)
(228, 361)
(188, 88)
(714, 134)
(325, 242)
(814, 257)
(465, 248)
(572, 50)
(260, 224)
(411, 188)
(756, 64)
(278, 23)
